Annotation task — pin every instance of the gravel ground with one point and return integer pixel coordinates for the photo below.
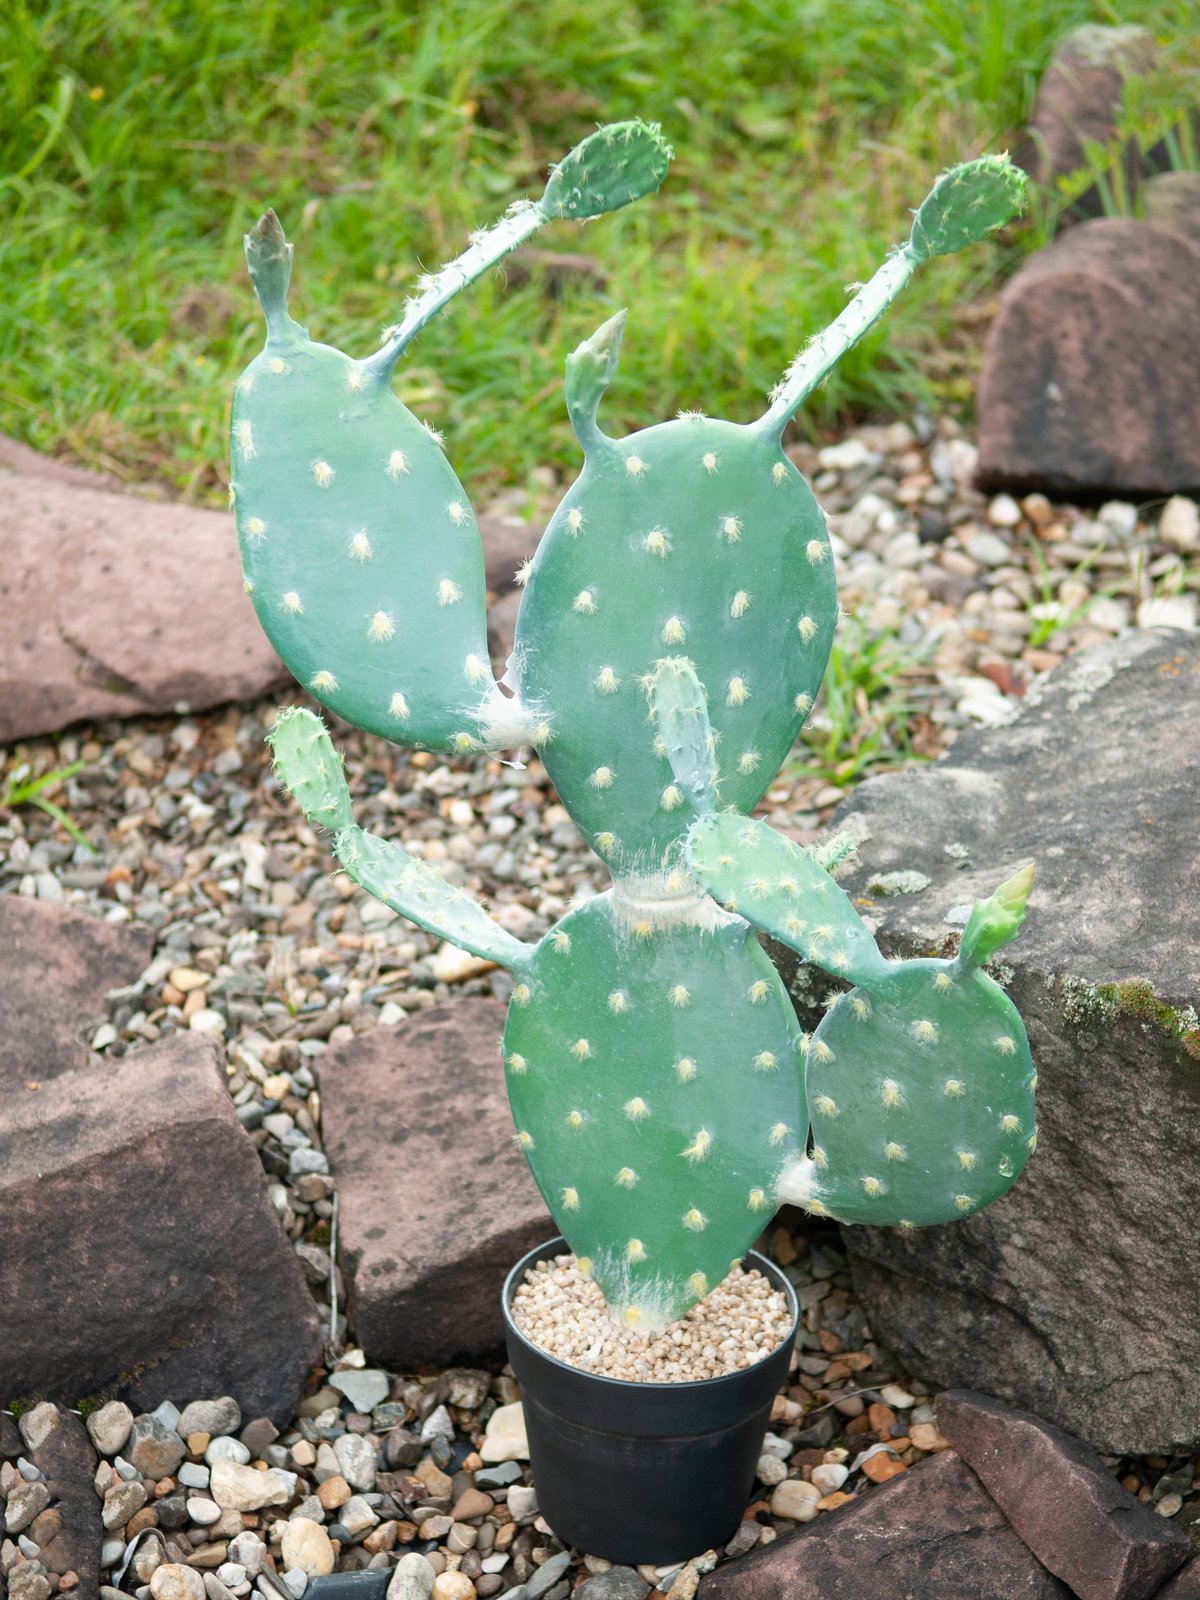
(261, 945)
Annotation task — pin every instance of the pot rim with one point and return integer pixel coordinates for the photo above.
(775, 1275)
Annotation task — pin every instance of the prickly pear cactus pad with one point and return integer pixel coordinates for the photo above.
(695, 536)
(783, 890)
(920, 1090)
(359, 545)
(654, 1078)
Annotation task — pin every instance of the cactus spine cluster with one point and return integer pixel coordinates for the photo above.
(673, 633)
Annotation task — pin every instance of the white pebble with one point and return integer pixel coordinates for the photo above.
(1179, 524)
(829, 1476)
(1004, 512)
(1174, 611)
(203, 1511)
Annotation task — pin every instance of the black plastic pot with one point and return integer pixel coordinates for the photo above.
(642, 1472)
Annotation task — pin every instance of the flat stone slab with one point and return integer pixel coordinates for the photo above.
(58, 963)
(1074, 1295)
(142, 1258)
(932, 1534)
(435, 1203)
(118, 604)
(1111, 297)
(1073, 1514)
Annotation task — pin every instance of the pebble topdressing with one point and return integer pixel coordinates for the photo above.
(563, 1312)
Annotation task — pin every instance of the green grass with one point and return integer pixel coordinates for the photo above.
(140, 138)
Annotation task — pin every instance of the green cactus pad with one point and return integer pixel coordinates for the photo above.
(616, 164)
(966, 204)
(310, 768)
(655, 1088)
(359, 546)
(418, 891)
(920, 1088)
(781, 888)
(994, 922)
(698, 537)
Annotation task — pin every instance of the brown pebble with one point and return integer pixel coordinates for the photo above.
(857, 1426)
(147, 1517)
(882, 1467)
(435, 1482)
(470, 1504)
(208, 1555)
(926, 1436)
(334, 1492)
(163, 1487)
(832, 1501)
(881, 1418)
(382, 1538)
(900, 1444)
(835, 1372)
(406, 1532)
(68, 1580)
(851, 1406)
(472, 1462)
(1132, 1482)
(198, 1443)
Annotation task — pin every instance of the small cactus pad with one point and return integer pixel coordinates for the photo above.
(966, 204)
(781, 888)
(680, 713)
(694, 537)
(920, 1089)
(614, 165)
(653, 1074)
(994, 922)
(310, 768)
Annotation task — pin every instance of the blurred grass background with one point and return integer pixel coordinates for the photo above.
(140, 138)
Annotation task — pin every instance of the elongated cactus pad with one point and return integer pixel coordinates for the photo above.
(359, 544)
(654, 1079)
(920, 1088)
(311, 769)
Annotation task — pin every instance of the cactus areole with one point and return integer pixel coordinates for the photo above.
(673, 632)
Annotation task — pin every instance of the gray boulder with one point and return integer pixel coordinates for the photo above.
(1074, 1295)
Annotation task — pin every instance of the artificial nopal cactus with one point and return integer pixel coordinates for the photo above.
(673, 633)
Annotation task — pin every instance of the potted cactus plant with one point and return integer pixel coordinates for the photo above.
(674, 628)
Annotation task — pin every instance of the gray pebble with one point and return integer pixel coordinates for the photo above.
(226, 1449)
(25, 1500)
(412, 1579)
(192, 1475)
(356, 1460)
(497, 1477)
(365, 1388)
(154, 1448)
(210, 1416)
(109, 1427)
(547, 1575)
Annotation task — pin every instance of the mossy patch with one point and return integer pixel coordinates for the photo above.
(1103, 1003)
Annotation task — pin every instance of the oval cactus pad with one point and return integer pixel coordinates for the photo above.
(696, 538)
(655, 1086)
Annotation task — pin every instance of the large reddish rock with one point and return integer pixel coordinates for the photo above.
(932, 1534)
(1054, 1490)
(141, 1254)
(58, 963)
(1185, 1585)
(1088, 386)
(118, 604)
(1079, 102)
(1074, 1295)
(434, 1201)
